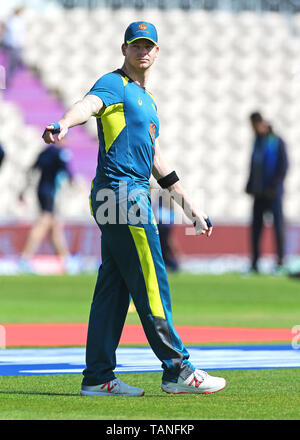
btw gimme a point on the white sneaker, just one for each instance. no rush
(113, 388)
(199, 382)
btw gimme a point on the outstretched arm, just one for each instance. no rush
(161, 169)
(78, 114)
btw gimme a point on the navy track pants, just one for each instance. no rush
(132, 266)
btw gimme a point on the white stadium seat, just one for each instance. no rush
(213, 70)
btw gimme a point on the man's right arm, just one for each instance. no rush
(78, 114)
(161, 169)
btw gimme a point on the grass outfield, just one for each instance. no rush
(206, 300)
(227, 300)
(250, 394)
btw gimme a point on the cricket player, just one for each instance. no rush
(50, 163)
(132, 263)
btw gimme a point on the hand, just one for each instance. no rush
(48, 134)
(203, 225)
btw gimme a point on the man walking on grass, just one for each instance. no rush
(132, 263)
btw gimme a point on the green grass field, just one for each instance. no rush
(220, 300)
(250, 394)
(223, 300)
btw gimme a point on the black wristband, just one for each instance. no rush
(168, 180)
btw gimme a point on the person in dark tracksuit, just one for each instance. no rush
(268, 168)
(2, 155)
(132, 264)
(51, 162)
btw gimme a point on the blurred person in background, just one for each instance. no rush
(52, 164)
(2, 155)
(12, 40)
(132, 263)
(268, 168)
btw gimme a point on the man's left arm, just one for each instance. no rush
(283, 160)
(282, 166)
(279, 172)
(168, 179)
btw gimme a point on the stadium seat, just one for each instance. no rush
(213, 70)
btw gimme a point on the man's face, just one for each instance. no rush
(140, 54)
(260, 128)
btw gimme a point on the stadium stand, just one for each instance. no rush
(215, 67)
(22, 145)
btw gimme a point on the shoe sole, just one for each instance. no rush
(192, 391)
(96, 394)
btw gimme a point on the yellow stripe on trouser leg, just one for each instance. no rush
(148, 268)
(90, 199)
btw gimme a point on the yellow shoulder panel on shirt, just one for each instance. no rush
(125, 80)
(113, 122)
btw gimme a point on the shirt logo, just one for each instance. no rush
(140, 101)
(152, 131)
(142, 26)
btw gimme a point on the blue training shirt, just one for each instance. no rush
(127, 130)
(51, 161)
(269, 164)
